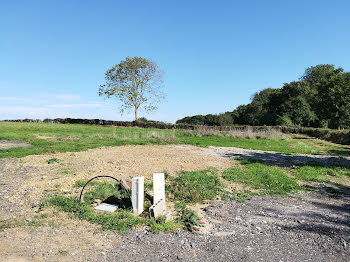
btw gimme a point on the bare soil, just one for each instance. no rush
(24, 182)
(5, 144)
(301, 227)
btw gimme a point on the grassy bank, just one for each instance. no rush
(71, 138)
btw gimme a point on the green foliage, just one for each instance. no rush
(186, 216)
(320, 99)
(270, 180)
(225, 119)
(195, 186)
(136, 82)
(334, 94)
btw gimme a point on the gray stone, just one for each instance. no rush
(108, 208)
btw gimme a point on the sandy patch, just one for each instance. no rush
(5, 144)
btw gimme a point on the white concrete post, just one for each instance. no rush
(158, 187)
(137, 194)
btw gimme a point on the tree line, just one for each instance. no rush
(320, 98)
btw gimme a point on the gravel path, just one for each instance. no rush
(303, 227)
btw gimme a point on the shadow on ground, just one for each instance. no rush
(329, 218)
(283, 160)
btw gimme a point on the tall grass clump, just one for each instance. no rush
(269, 180)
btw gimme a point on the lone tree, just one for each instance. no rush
(136, 82)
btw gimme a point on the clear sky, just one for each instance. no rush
(215, 54)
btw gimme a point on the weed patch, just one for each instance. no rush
(187, 217)
(195, 186)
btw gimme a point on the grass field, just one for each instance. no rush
(71, 138)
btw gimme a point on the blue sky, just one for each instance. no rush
(215, 54)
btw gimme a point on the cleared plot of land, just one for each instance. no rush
(304, 226)
(26, 180)
(49, 138)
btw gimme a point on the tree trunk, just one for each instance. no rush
(135, 114)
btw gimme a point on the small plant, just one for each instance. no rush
(195, 186)
(53, 160)
(161, 225)
(187, 217)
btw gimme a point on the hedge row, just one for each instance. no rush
(142, 124)
(336, 136)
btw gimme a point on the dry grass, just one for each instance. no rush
(249, 133)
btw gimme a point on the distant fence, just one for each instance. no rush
(336, 136)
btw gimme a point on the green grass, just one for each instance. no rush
(320, 173)
(120, 220)
(195, 186)
(105, 190)
(267, 179)
(74, 138)
(161, 225)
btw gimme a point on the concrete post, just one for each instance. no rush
(158, 187)
(137, 194)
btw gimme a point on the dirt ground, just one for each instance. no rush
(23, 183)
(302, 227)
(4, 144)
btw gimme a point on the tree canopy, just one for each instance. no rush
(320, 98)
(136, 82)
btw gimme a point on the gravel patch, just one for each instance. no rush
(303, 227)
